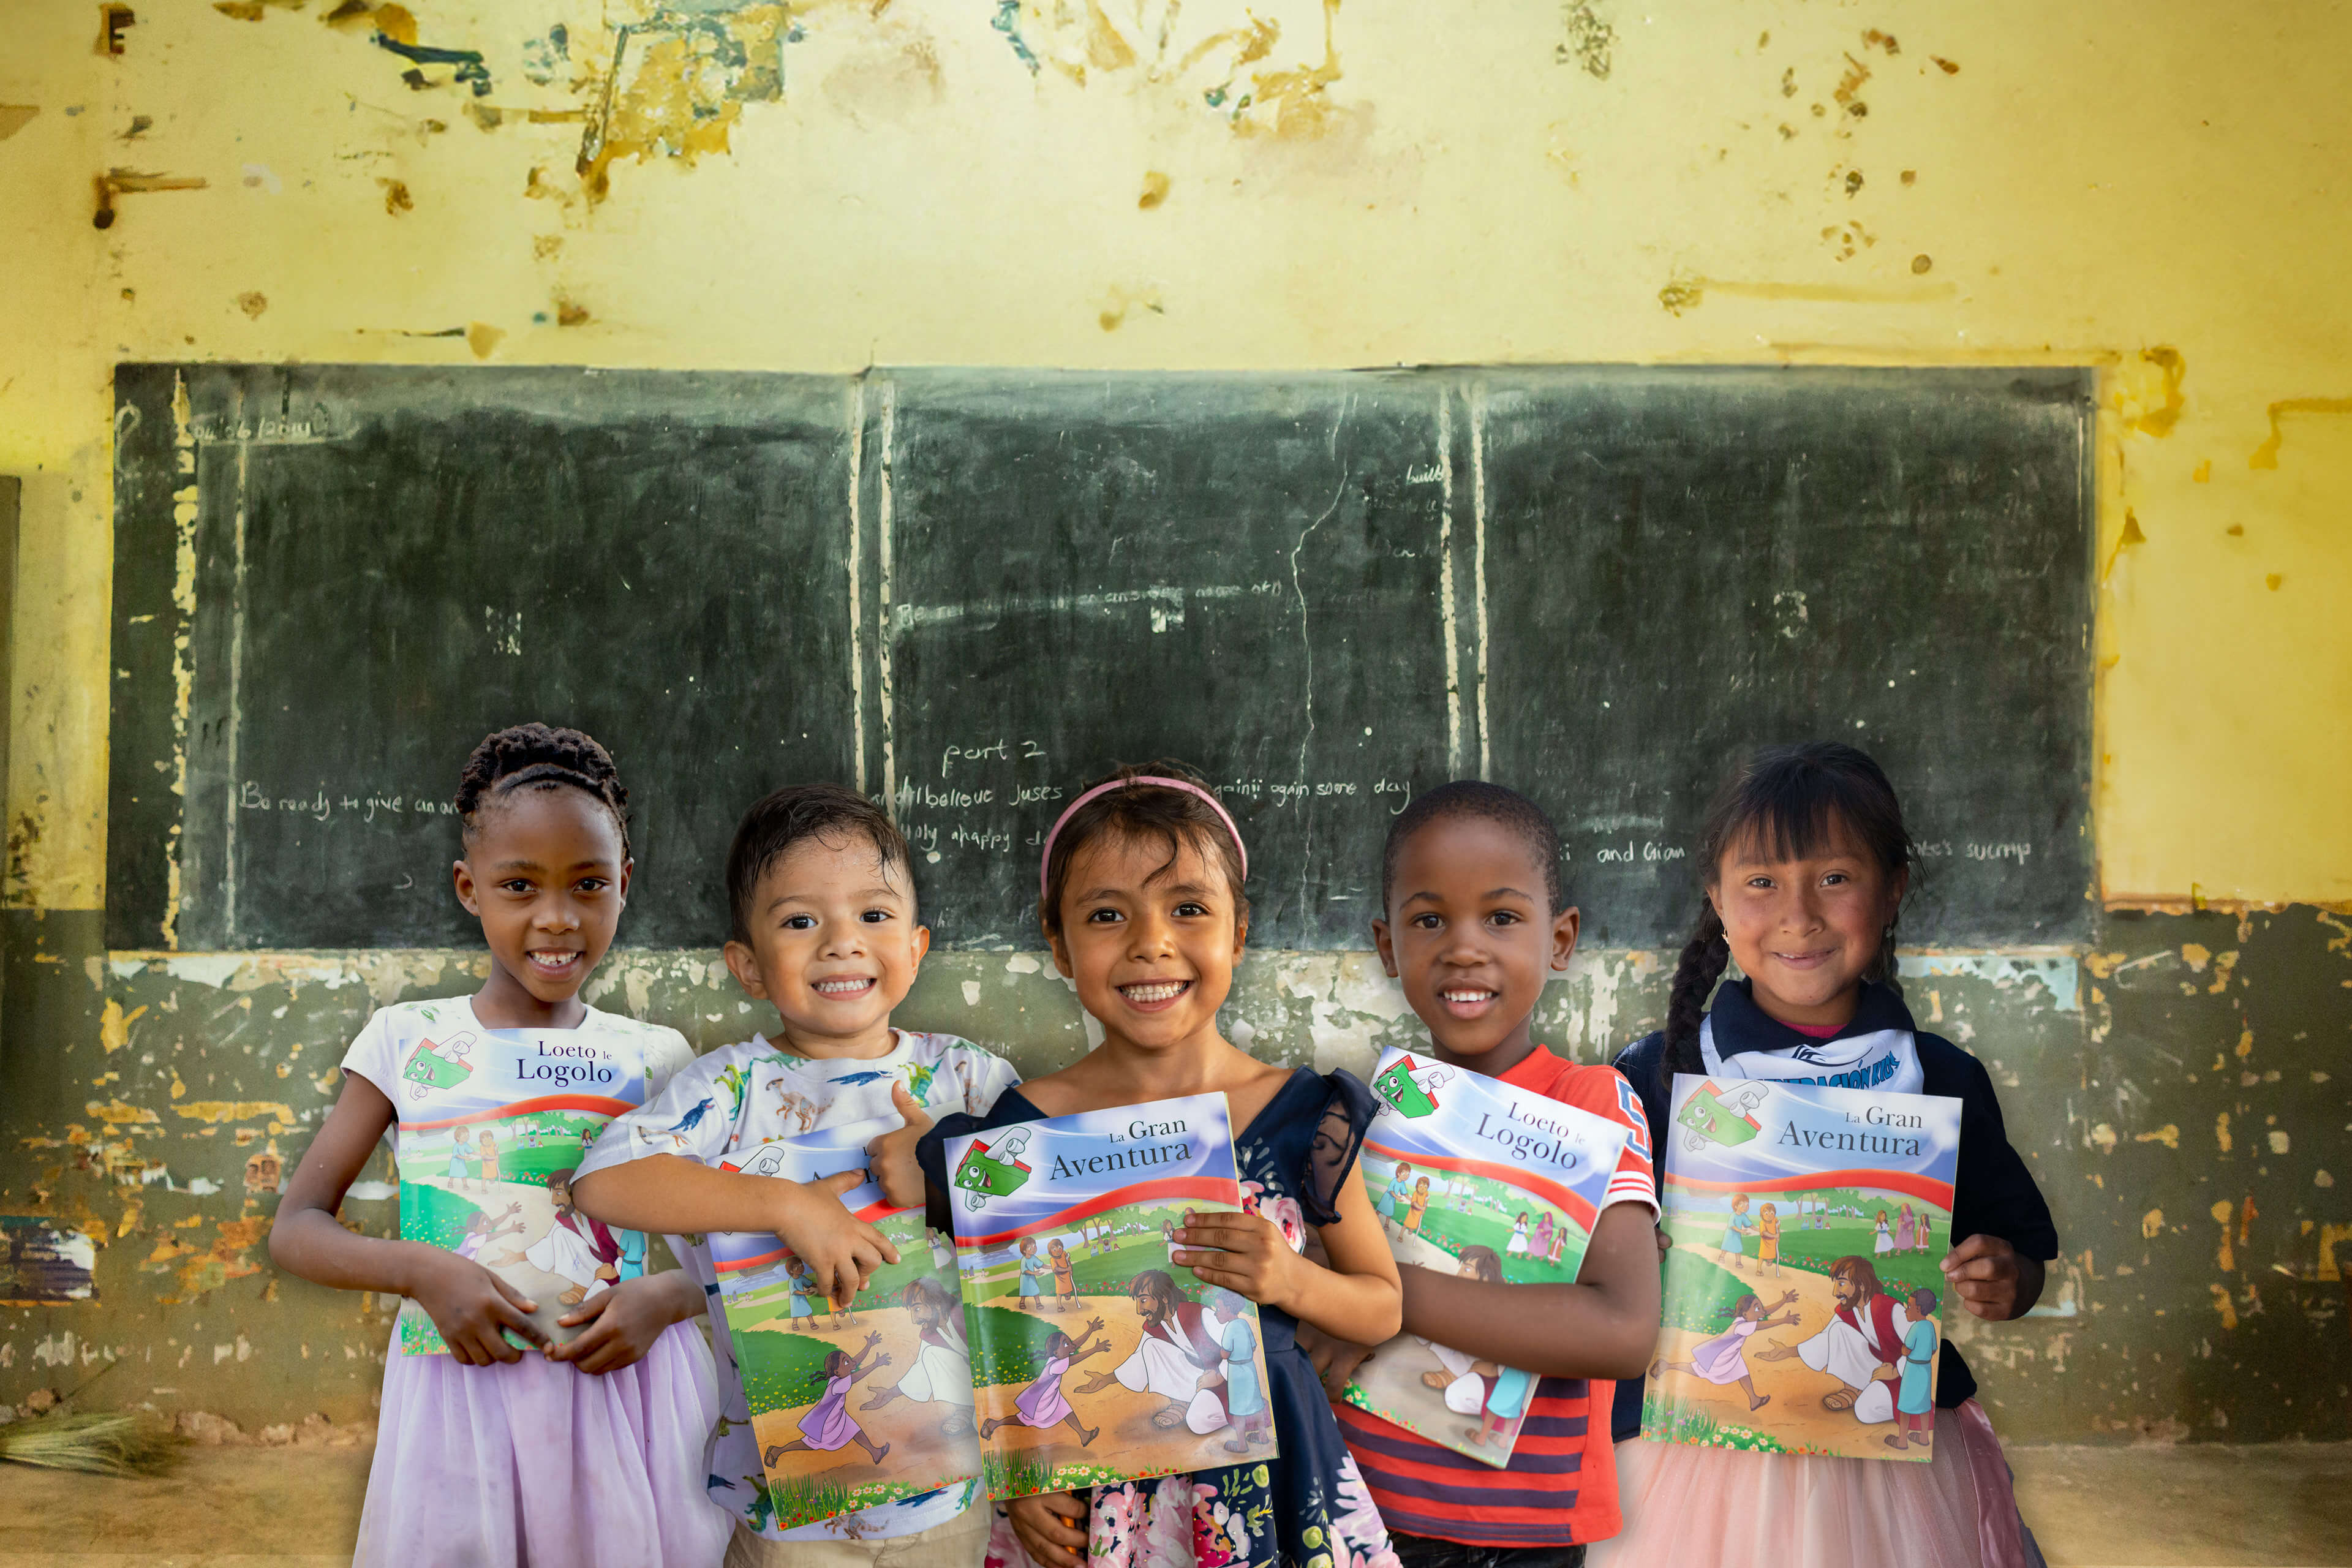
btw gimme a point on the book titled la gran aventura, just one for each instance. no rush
(1096, 1358)
(852, 1406)
(1473, 1177)
(1804, 1293)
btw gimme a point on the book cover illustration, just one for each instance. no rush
(492, 1123)
(1803, 1296)
(1470, 1176)
(1097, 1359)
(857, 1406)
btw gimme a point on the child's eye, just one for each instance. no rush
(1505, 917)
(593, 884)
(514, 885)
(799, 922)
(1426, 923)
(875, 917)
(1834, 877)
(1191, 908)
(1102, 916)
(1762, 884)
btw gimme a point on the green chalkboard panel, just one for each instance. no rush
(1241, 572)
(1694, 563)
(373, 567)
(967, 591)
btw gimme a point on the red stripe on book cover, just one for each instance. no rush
(597, 1103)
(869, 1214)
(1922, 1187)
(1225, 1189)
(1578, 1209)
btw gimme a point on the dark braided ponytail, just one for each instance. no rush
(541, 756)
(1791, 801)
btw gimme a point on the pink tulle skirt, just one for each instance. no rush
(533, 1464)
(1686, 1504)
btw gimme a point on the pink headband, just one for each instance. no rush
(1045, 864)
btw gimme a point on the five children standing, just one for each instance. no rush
(513, 1448)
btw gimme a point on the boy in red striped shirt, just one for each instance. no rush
(1475, 918)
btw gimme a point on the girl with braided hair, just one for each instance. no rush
(527, 1415)
(1804, 862)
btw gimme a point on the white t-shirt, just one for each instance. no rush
(742, 1095)
(485, 1119)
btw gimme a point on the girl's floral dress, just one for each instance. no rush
(1308, 1508)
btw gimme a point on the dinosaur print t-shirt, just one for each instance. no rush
(719, 1111)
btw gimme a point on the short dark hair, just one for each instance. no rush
(1173, 816)
(827, 812)
(1476, 798)
(541, 757)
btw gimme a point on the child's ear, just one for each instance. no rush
(628, 870)
(922, 946)
(744, 965)
(1386, 946)
(461, 875)
(1564, 928)
(1060, 951)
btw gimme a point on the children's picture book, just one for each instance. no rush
(1473, 1177)
(1803, 1292)
(1096, 1358)
(491, 1124)
(858, 1405)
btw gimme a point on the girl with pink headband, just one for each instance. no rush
(1141, 897)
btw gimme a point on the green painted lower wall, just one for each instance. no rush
(2181, 1091)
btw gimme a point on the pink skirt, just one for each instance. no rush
(534, 1464)
(1686, 1504)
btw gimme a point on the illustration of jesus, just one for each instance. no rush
(1178, 1358)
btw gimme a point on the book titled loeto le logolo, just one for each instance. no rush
(1470, 1176)
(1804, 1291)
(853, 1406)
(1095, 1357)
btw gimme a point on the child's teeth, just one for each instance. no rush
(1156, 993)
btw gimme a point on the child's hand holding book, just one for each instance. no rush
(841, 1251)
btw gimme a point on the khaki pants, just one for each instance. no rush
(961, 1543)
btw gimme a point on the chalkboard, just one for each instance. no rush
(965, 592)
(374, 567)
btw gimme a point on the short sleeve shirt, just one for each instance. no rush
(485, 1123)
(1561, 1486)
(718, 1112)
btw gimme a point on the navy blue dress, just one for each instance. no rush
(1308, 1508)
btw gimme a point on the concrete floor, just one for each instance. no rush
(2194, 1507)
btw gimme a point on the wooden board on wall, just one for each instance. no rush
(967, 592)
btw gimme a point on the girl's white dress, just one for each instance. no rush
(535, 1464)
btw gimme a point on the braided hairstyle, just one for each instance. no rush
(1791, 801)
(541, 757)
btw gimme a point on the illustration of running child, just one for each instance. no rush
(1033, 1270)
(1420, 1205)
(1065, 1282)
(1252, 1418)
(1396, 1199)
(942, 1371)
(1043, 1403)
(1768, 1241)
(1739, 1225)
(830, 1426)
(1914, 1396)
(1724, 1359)
(480, 1230)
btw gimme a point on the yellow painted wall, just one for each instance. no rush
(2151, 187)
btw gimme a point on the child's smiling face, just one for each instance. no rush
(1150, 938)
(1470, 933)
(836, 944)
(1805, 929)
(545, 873)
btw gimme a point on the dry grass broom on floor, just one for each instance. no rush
(103, 1443)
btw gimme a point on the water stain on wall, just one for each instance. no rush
(678, 84)
(2266, 455)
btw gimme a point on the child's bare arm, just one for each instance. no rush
(470, 1306)
(1603, 1325)
(671, 1195)
(1355, 1298)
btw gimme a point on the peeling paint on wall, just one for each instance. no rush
(42, 1265)
(677, 85)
